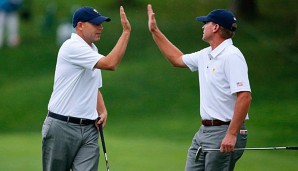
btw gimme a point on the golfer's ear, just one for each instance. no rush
(216, 27)
(80, 25)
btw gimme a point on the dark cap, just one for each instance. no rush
(222, 17)
(88, 14)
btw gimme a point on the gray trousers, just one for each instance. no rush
(211, 137)
(68, 146)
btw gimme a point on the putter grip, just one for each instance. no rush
(102, 138)
(292, 148)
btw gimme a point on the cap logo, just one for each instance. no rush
(88, 14)
(95, 11)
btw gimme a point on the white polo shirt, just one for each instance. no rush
(76, 81)
(222, 73)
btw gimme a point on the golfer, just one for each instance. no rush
(76, 107)
(224, 90)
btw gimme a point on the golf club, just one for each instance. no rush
(200, 150)
(104, 146)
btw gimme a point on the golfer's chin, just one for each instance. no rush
(97, 38)
(204, 39)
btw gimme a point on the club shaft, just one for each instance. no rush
(102, 139)
(262, 148)
(104, 146)
(200, 150)
(107, 164)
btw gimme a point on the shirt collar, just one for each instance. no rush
(214, 53)
(76, 36)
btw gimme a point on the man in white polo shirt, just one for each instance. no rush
(224, 90)
(76, 106)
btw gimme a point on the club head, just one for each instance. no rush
(198, 153)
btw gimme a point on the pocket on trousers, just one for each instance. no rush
(243, 134)
(46, 127)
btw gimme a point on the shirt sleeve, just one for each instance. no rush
(84, 56)
(237, 73)
(100, 79)
(191, 60)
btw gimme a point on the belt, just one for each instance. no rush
(214, 122)
(71, 119)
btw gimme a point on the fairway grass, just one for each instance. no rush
(22, 151)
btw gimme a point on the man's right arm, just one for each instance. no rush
(111, 61)
(171, 52)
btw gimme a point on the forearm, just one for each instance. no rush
(101, 108)
(111, 61)
(170, 51)
(118, 51)
(240, 112)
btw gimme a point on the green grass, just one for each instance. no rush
(23, 152)
(20, 152)
(153, 107)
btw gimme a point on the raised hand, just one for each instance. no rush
(151, 19)
(125, 23)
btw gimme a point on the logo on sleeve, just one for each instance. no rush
(240, 84)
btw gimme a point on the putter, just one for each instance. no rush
(200, 150)
(104, 146)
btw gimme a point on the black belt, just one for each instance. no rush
(71, 119)
(214, 122)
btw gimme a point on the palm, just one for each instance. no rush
(125, 23)
(151, 19)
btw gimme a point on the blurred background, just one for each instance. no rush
(153, 108)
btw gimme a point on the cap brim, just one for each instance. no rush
(99, 20)
(203, 19)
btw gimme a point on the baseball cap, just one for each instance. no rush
(222, 17)
(88, 14)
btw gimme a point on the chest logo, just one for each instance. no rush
(213, 70)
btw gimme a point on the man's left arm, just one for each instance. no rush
(241, 109)
(101, 110)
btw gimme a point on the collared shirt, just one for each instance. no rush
(76, 80)
(222, 73)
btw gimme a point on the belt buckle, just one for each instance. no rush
(81, 121)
